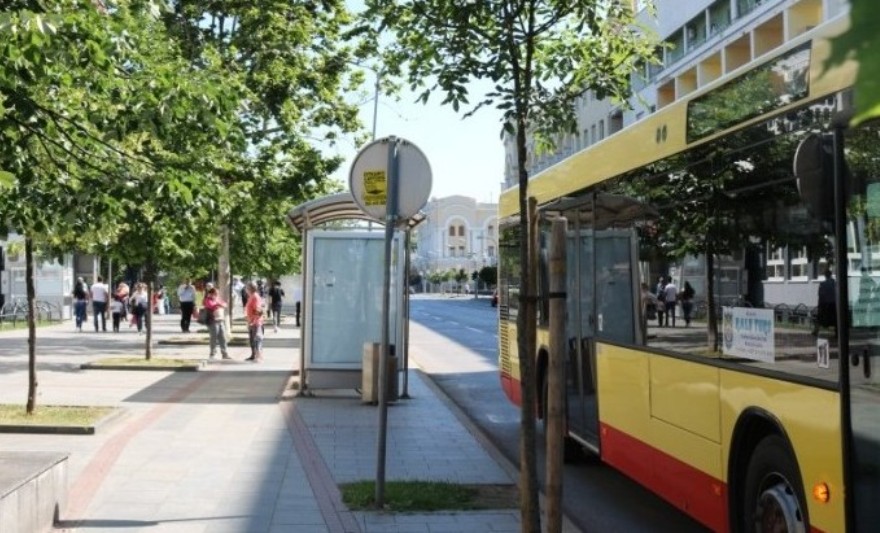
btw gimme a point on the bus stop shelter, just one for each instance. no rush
(342, 268)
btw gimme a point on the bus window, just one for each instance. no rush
(722, 220)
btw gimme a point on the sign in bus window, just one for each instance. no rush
(771, 86)
(749, 333)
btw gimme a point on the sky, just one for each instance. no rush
(466, 154)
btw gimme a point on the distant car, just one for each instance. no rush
(495, 299)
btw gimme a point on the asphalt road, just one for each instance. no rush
(454, 340)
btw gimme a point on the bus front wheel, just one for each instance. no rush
(773, 499)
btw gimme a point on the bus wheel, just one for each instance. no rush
(774, 499)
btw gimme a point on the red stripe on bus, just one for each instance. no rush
(696, 493)
(511, 388)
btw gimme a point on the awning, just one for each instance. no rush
(340, 206)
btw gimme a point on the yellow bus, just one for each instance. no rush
(756, 412)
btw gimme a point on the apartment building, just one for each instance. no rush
(706, 40)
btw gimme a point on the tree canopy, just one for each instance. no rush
(861, 43)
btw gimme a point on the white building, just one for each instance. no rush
(708, 39)
(458, 233)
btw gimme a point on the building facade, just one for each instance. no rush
(705, 41)
(458, 233)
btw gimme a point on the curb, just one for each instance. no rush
(195, 367)
(485, 441)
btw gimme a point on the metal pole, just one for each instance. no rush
(390, 223)
(375, 104)
(405, 348)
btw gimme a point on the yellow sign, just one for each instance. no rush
(375, 187)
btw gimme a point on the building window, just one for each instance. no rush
(490, 231)
(452, 231)
(775, 264)
(461, 251)
(491, 251)
(452, 251)
(799, 265)
(461, 231)
(601, 129)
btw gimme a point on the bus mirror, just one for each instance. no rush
(814, 170)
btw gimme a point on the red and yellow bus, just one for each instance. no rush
(755, 414)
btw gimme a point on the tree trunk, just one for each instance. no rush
(555, 411)
(149, 274)
(31, 324)
(526, 323)
(224, 277)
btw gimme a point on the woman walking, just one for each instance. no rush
(139, 305)
(216, 308)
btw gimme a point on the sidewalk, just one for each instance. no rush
(226, 449)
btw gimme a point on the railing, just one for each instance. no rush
(17, 310)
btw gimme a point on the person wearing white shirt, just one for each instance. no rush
(186, 295)
(671, 293)
(100, 296)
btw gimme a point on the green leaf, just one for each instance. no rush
(7, 179)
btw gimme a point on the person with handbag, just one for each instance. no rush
(216, 314)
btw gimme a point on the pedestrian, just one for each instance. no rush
(254, 313)
(826, 313)
(139, 305)
(100, 295)
(687, 302)
(276, 293)
(186, 295)
(117, 311)
(216, 309)
(122, 294)
(298, 308)
(671, 300)
(261, 290)
(649, 309)
(244, 295)
(660, 293)
(237, 290)
(80, 301)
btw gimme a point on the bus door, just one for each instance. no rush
(580, 385)
(862, 380)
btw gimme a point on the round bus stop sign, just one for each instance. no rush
(368, 178)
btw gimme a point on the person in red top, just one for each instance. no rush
(253, 311)
(216, 308)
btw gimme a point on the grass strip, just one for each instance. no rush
(429, 496)
(53, 415)
(140, 362)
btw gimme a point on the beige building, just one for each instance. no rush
(458, 233)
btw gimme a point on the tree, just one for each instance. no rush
(293, 61)
(88, 96)
(489, 275)
(861, 43)
(539, 55)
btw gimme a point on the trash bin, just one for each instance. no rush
(370, 374)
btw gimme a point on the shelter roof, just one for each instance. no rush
(339, 206)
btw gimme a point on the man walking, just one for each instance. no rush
(100, 297)
(186, 295)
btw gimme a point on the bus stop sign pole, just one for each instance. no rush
(390, 225)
